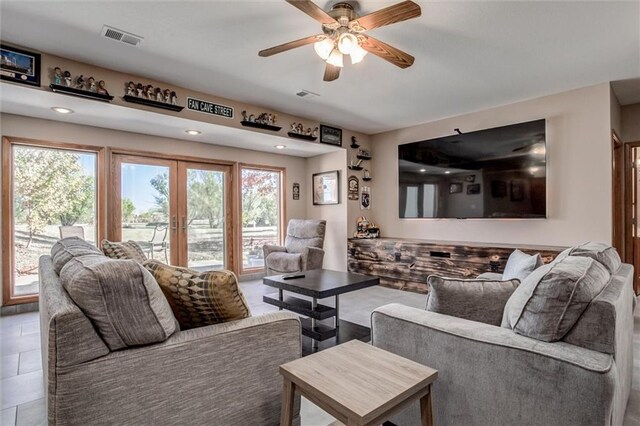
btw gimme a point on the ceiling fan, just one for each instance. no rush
(343, 34)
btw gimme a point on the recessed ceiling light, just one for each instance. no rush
(423, 170)
(193, 132)
(446, 172)
(62, 110)
(280, 146)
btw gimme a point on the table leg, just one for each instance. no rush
(286, 408)
(280, 297)
(426, 409)
(314, 306)
(336, 319)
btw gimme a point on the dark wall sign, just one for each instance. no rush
(209, 108)
(330, 135)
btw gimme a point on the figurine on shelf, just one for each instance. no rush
(300, 128)
(174, 98)
(159, 96)
(308, 131)
(131, 89)
(92, 84)
(139, 90)
(244, 115)
(80, 82)
(57, 76)
(354, 162)
(270, 119)
(67, 78)
(315, 132)
(294, 127)
(102, 89)
(149, 91)
(167, 96)
(275, 119)
(252, 118)
(367, 175)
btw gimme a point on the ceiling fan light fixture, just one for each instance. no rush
(335, 58)
(347, 43)
(324, 48)
(357, 55)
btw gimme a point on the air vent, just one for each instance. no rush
(122, 36)
(306, 94)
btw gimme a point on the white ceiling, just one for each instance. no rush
(22, 100)
(469, 55)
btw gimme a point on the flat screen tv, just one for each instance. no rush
(495, 173)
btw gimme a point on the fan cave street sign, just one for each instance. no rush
(209, 108)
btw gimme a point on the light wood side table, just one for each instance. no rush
(358, 384)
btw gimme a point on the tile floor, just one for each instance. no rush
(22, 393)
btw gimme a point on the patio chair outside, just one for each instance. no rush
(158, 242)
(71, 231)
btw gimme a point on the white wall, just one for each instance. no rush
(335, 243)
(630, 117)
(579, 173)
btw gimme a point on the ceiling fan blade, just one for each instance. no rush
(388, 53)
(331, 72)
(389, 15)
(291, 45)
(311, 9)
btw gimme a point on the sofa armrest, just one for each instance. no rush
(491, 276)
(224, 374)
(267, 249)
(490, 375)
(312, 258)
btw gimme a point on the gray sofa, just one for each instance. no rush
(489, 375)
(302, 250)
(224, 374)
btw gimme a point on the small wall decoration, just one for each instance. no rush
(498, 188)
(354, 143)
(473, 189)
(470, 178)
(151, 96)
(517, 190)
(330, 135)
(298, 131)
(364, 154)
(62, 82)
(209, 108)
(354, 188)
(365, 198)
(264, 120)
(455, 188)
(296, 191)
(366, 228)
(19, 66)
(326, 188)
(355, 163)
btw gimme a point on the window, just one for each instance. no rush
(261, 213)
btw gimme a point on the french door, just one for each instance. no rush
(178, 211)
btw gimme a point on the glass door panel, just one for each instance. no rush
(144, 205)
(54, 195)
(204, 211)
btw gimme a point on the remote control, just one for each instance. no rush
(292, 276)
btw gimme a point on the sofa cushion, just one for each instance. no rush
(123, 250)
(600, 252)
(285, 262)
(302, 233)
(476, 300)
(68, 248)
(121, 298)
(520, 265)
(549, 302)
(200, 298)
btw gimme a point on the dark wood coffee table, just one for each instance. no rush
(320, 284)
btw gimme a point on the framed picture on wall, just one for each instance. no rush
(20, 66)
(330, 135)
(326, 188)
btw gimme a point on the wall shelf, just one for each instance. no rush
(260, 125)
(149, 102)
(356, 167)
(366, 179)
(72, 91)
(363, 157)
(303, 137)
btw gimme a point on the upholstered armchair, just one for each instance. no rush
(302, 248)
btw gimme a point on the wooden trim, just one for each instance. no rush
(8, 260)
(630, 173)
(282, 211)
(160, 156)
(617, 193)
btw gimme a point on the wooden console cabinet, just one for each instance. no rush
(405, 264)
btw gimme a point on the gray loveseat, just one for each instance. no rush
(224, 374)
(489, 375)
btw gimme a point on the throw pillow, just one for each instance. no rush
(200, 298)
(120, 298)
(124, 250)
(600, 252)
(550, 301)
(520, 265)
(68, 248)
(475, 300)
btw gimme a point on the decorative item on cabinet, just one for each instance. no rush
(263, 121)
(366, 228)
(62, 83)
(150, 96)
